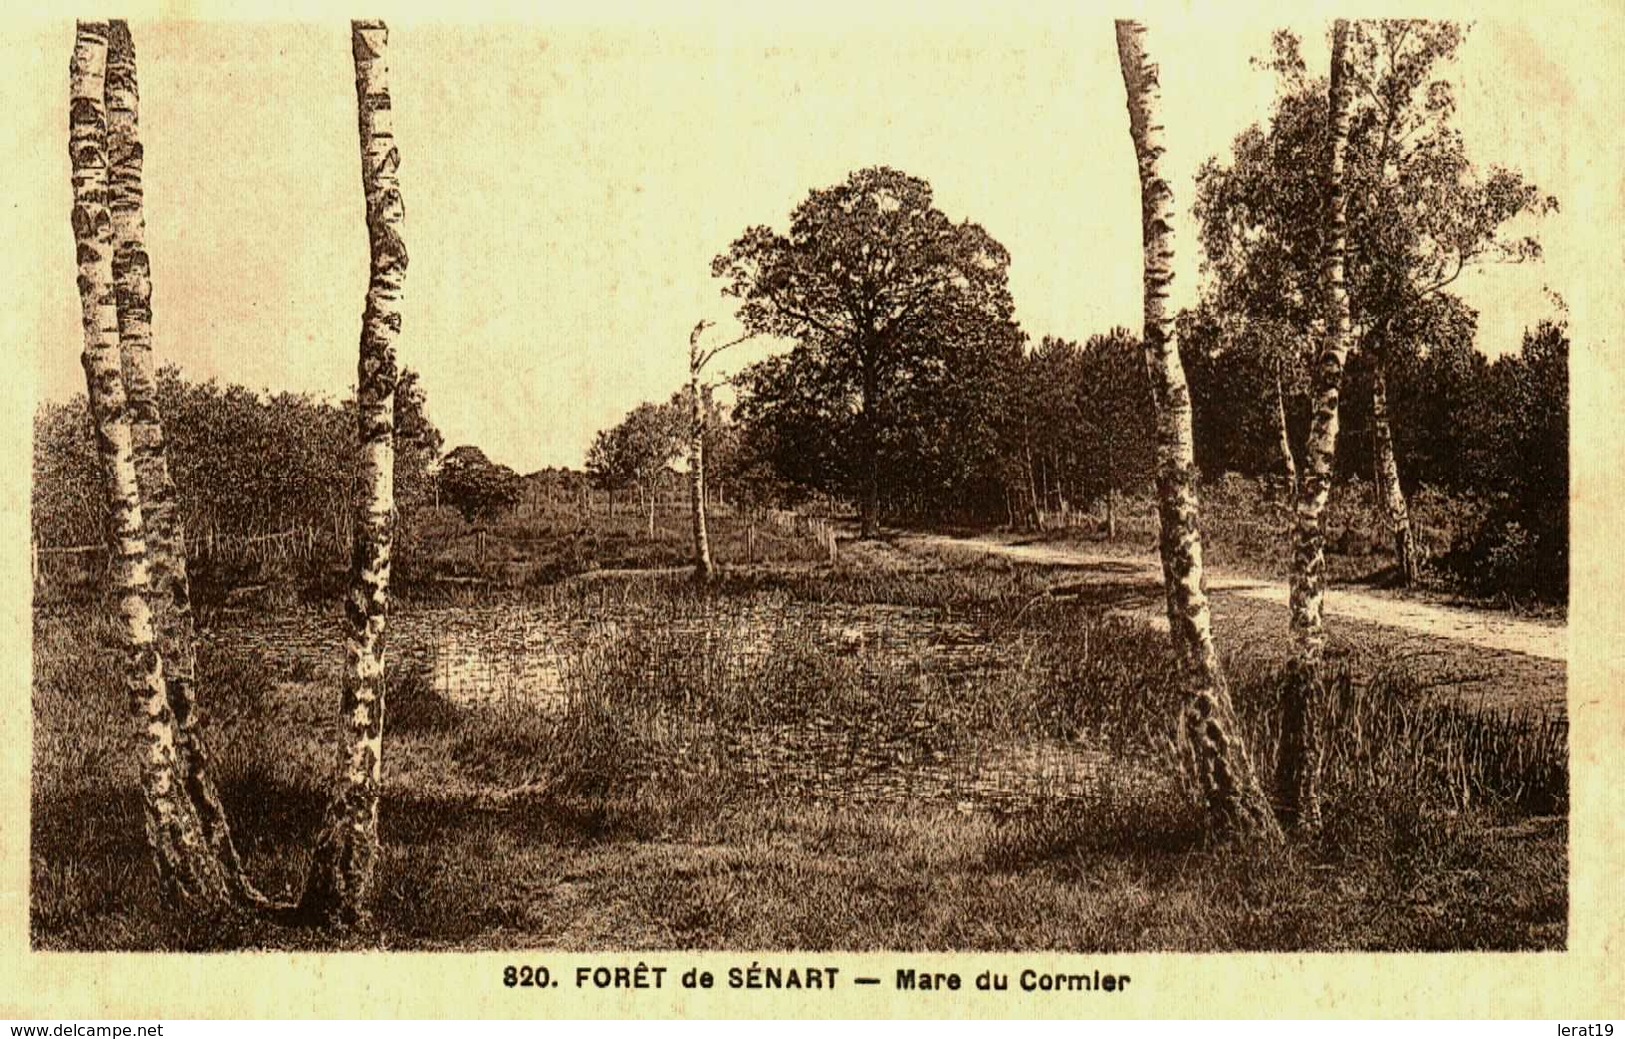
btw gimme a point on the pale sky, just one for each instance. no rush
(567, 186)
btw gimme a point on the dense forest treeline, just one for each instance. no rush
(1060, 432)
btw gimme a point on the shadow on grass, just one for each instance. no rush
(441, 877)
(1073, 837)
(1109, 595)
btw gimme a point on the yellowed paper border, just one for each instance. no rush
(1586, 981)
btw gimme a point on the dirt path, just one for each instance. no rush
(1482, 628)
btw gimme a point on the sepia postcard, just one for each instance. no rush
(852, 510)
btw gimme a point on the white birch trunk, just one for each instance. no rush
(346, 852)
(1298, 770)
(1209, 733)
(171, 596)
(1289, 462)
(188, 872)
(1395, 511)
(696, 473)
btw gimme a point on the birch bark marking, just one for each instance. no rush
(171, 597)
(187, 871)
(346, 852)
(1298, 772)
(1209, 733)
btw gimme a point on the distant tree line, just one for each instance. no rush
(642, 454)
(245, 464)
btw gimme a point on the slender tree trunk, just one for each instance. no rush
(1034, 517)
(171, 596)
(188, 871)
(869, 510)
(346, 852)
(1289, 463)
(870, 515)
(651, 497)
(1393, 495)
(1298, 771)
(1044, 484)
(696, 474)
(1209, 732)
(1111, 493)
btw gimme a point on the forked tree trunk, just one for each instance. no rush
(1298, 770)
(188, 872)
(346, 852)
(171, 596)
(1210, 736)
(1393, 495)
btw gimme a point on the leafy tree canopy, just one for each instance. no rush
(475, 486)
(901, 320)
(640, 447)
(1420, 211)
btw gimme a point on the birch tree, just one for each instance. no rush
(703, 567)
(1299, 766)
(698, 401)
(188, 870)
(1420, 214)
(346, 851)
(171, 596)
(1209, 733)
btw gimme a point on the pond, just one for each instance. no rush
(848, 749)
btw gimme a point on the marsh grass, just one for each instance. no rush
(1386, 741)
(725, 772)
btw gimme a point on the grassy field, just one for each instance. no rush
(896, 752)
